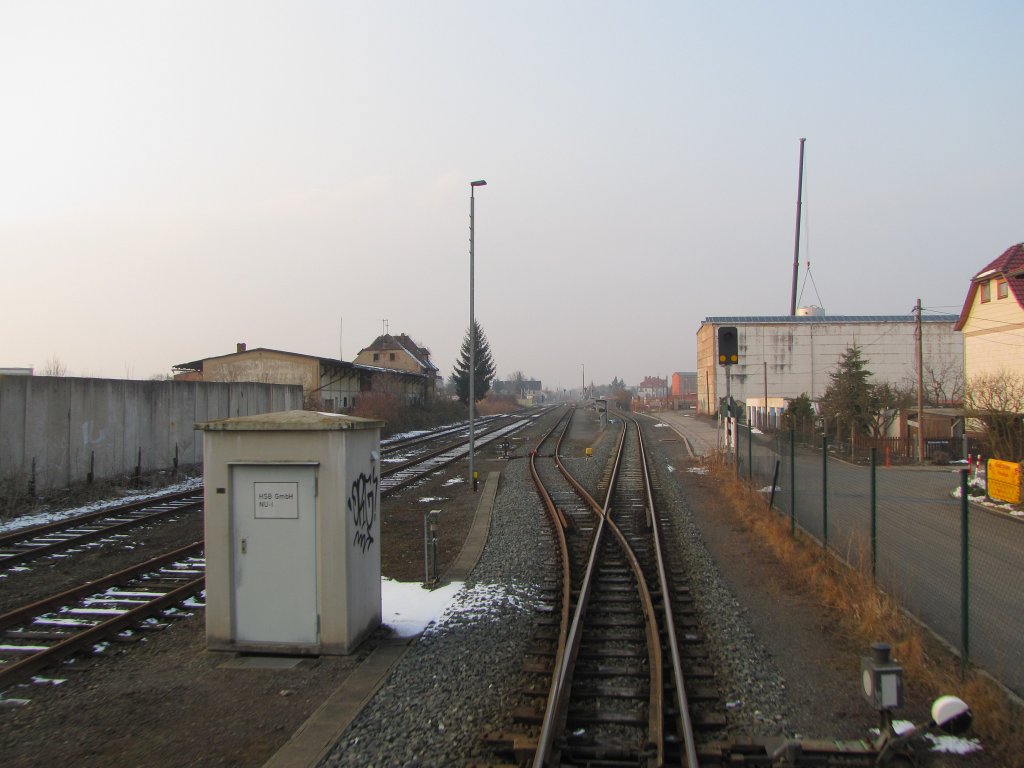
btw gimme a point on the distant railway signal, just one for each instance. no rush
(728, 345)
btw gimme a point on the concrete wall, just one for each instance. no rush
(67, 425)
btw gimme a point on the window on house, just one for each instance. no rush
(376, 355)
(1002, 288)
(986, 291)
(391, 356)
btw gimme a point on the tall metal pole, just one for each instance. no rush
(920, 387)
(472, 331)
(796, 244)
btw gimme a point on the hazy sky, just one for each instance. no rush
(177, 177)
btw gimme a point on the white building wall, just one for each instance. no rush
(992, 336)
(801, 353)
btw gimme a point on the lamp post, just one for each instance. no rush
(472, 332)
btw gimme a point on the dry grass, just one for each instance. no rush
(870, 616)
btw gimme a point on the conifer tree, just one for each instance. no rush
(849, 400)
(484, 364)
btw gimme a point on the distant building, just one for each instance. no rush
(785, 356)
(16, 371)
(684, 389)
(525, 389)
(327, 384)
(652, 388)
(993, 315)
(397, 353)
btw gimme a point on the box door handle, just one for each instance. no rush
(244, 546)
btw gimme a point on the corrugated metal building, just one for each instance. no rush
(784, 356)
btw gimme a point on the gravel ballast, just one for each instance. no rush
(461, 679)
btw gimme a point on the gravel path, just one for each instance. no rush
(461, 679)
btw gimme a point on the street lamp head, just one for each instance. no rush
(480, 183)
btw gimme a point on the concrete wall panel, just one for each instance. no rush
(12, 425)
(71, 425)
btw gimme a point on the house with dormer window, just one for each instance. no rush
(992, 319)
(400, 353)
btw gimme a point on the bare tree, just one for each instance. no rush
(995, 401)
(942, 382)
(54, 366)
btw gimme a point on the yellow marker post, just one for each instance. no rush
(590, 452)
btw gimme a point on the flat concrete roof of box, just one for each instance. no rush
(289, 421)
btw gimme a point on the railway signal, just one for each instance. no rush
(728, 345)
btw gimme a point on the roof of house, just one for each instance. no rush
(389, 343)
(197, 365)
(652, 382)
(1010, 265)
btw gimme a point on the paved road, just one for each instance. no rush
(918, 534)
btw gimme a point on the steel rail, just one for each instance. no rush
(568, 643)
(396, 468)
(558, 523)
(655, 710)
(558, 701)
(684, 721)
(18, 534)
(453, 454)
(18, 671)
(24, 537)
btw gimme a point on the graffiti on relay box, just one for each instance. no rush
(362, 505)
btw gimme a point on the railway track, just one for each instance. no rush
(401, 475)
(24, 544)
(611, 675)
(118, 607)
(411, 460)
(47, 631)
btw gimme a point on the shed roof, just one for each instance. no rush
(197, 365)
(289, 421)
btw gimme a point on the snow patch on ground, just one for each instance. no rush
(52, 516)
(409, 608)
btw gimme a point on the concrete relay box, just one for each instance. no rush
(292, 526)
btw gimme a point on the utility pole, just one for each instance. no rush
(920, 386)
(796, 243)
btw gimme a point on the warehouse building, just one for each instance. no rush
(782, 357)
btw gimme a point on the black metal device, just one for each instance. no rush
(728, 345)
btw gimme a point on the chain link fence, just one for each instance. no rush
(957, 567)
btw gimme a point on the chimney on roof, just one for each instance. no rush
(240, 347)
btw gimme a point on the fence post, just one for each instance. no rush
(824, 491)
(775, 483)
(792, 482)
(874, 515)
(965, 613)
(750, 454)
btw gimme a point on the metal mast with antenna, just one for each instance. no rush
(796, 244)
